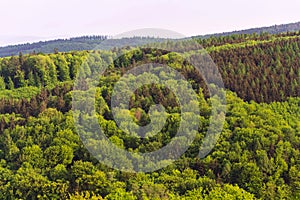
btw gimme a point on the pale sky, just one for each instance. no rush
(34, 20)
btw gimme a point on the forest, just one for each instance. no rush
(257, 155)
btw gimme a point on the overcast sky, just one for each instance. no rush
(33, 20)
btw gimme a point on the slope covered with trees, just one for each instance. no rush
(257, 155)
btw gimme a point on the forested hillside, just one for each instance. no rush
(256, 157)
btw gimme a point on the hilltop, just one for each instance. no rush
(92, 42)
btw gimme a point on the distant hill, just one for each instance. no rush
(74, 44)
(91, 42)
(283, 28)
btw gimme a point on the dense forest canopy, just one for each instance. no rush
(257, 155)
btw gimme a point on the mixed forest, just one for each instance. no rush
(256, 157)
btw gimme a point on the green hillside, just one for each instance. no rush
(256, 157)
